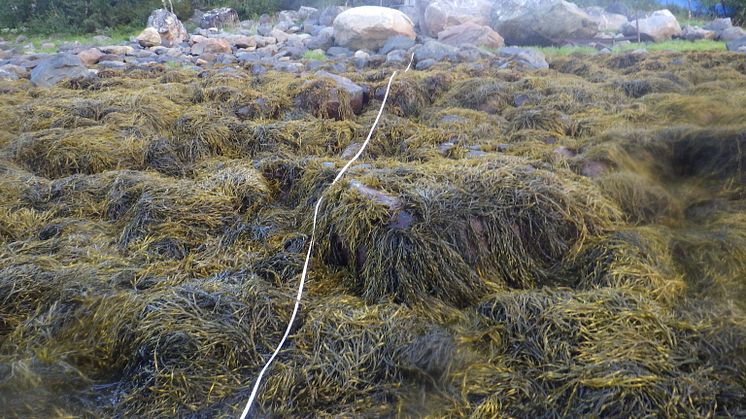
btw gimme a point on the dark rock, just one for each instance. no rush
(327, 16)
(436, 51)
(258, 69)
(731, 34)
(737, 45)
(323, 40)
(425, 64)
(57, 68)
(397, 42)
(170, 29)
(397, 57)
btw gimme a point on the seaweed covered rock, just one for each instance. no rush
(368, 27)
(448, 245)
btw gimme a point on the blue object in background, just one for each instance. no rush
(698, 8)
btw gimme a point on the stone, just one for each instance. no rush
(693, 33)
(279, 35)
(241, 41)
(425, 64)
(149, 38)
(659, 26)
(57, 68)
(529, 58)
(220, 18)
(323, 40)
(471, 34)
(736, 45)
(719, 25)
(338, 52)
(117, 49)
(607, 22)
(368, 27)
(19, 71)
(169, 27)
(263, 41)
(327, 16)
(397, 42)
(112, 65)
(434, 50)
(211, 46)
(541, 22)
(731, 34)
(8, 75)
(397, 57)
(90, 56)
(353, 93)
(437, 15)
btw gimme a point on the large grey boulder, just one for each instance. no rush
(437, 15)
(719, 25)
(731, 34)
(149, 38)
(530, 59)
(323, 40)
(327, 16)
(435, 51)
(223, 17)
(693, 33)
(541, 22)
(607, 22)
(659, 26)
(368, 27)
(737, 45)
(57, 68)
(471, 34)
(169, 27)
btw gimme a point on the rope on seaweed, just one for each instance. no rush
(304, 274)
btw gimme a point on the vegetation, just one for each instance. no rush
(675, 45)
(566, 242)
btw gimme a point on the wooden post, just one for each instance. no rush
(637, 24)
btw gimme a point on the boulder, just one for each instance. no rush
(368, 27)
(530, 59)
(90, 56)
(607, 22)
(57, 68)
(731, 34)
(241, 41)
(436, 51)
(437, 15)
(19, 71)
(279, 35)
(169, 27)
(471, 34)
(693, 33)
(397, 42)
(323, 40)
(117, 49)
(219, 18)
(661, 25)
(211, 46)
(354, 93)
(327, 16)
(8, 75)
(618, 8)
(149, 38)
(737, 45)
(541, 22)
(719, 25)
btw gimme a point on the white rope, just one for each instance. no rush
(304, 274)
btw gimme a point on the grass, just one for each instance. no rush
(118, 35)
(314, 55)
(675, 45)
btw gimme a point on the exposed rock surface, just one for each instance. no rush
(221, 18)
(169, 27)
(90, 56)
(471, 34)
(368, 27)
(541, 22)
(607, 22)
(661, 25)
(149, 38)
(59, 67)
(437, 15)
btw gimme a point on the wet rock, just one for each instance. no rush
(90, 56)
(211, 46)
(220, 18)
(541, 22)
(354, 93)
(169, 27)
(471, 34)
(436, 16)
(350, 151)
(368, 27)
(57, 68)
(149, 38)
(661, 25)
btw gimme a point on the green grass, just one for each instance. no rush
(118, 35)
(677, 45)
(314, 55)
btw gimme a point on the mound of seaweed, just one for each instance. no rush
(568, 242)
